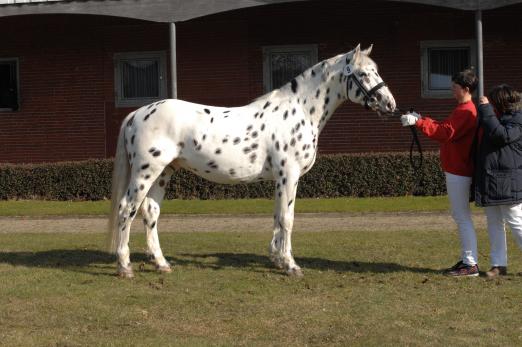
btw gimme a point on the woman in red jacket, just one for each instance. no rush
(455, 135)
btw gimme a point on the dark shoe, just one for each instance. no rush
(462, 270)
(496, 271)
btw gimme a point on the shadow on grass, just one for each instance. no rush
(247, 260)
(77, 259)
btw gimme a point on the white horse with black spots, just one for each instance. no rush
(273, 138)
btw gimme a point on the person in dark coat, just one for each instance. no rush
(498, 170)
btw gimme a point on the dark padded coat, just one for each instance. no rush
(498, 164)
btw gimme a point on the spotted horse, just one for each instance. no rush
(273, 138)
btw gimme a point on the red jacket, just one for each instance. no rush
(455, 135)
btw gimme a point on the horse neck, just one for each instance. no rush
(322, 92)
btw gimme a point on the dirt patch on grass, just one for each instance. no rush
(236, 223)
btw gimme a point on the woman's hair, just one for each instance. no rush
(466, 78)
(504, 98)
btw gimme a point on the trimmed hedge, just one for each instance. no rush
(356, 175)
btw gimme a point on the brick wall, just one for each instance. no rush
(67, 74)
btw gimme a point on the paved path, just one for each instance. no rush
(206, 223)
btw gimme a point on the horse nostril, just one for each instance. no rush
(389, 106)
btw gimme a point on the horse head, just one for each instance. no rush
(364, 85)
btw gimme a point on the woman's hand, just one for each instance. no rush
(483, 100)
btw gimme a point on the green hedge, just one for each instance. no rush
(360, 175)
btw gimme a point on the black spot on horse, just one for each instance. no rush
(156, 154)
(312, 110)
(263, 127)
(292, 142)
(317, 93)
(132, 139)
(293, 111)
(246, 150)
(284, 180)
(218, 151)
(253, 157)
(232, 172)
(256, 114)
(181, 144)
(266, 105)
(277, 145)
(275, 109)
(145, 166)
(225, 140)
(294, 86)
(142, 187)
(207, 111)
(249, 127)
(131, 120)
(237, 140)
(254, 146)
(285, 115)
(146, 117)
(313, 73)
(153, 225)
(254, 134)
(283, 162)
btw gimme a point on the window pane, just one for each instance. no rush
(140, 78)
(444, 63)
(8, 85)
(287, 65)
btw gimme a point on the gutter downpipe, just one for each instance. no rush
(480, 56)
(173, 62)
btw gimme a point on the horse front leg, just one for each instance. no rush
(281, 244)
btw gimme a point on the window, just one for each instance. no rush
(140, 78)
(9, 85)
(282, 63)
(440, 61)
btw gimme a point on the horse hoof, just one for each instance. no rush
(124, 272)
(295, 272)
(164, 269)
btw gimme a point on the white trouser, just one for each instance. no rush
(497, 216)
(458, 193)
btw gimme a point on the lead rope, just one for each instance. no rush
(416, 165)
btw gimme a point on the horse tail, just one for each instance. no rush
(120, 181)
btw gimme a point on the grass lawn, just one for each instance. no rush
(363, 288)
(245, 206)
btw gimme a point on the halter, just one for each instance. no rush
(368, 94)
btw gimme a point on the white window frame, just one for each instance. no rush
(441, 44)
(269, 50)
(137, 102)
(17, 61)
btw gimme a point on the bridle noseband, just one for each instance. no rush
(368, 94)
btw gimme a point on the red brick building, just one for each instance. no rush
(69, 75)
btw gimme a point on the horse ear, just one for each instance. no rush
(368, 50)
(356, 53)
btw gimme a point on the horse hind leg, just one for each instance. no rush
(140, 183)
(150, 210)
